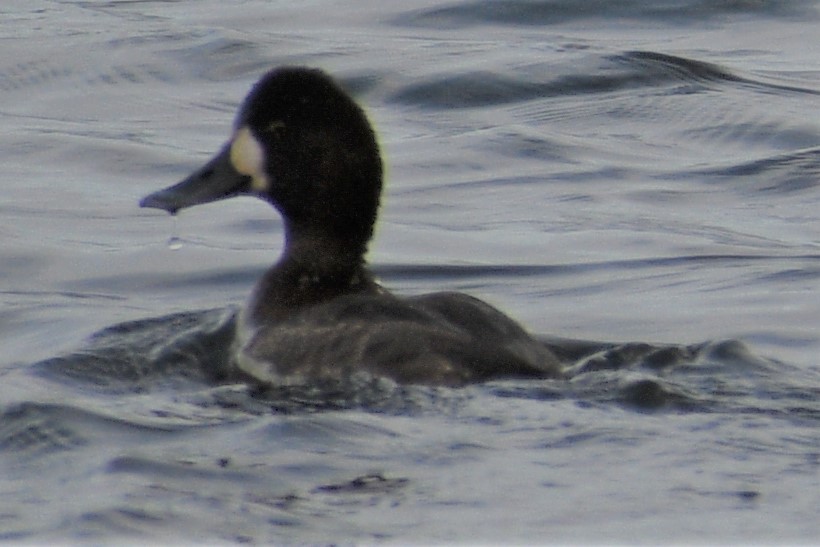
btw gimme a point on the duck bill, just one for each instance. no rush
(218, 179)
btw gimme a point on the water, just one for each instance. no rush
(641, 176)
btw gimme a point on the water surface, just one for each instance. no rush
(644, 177)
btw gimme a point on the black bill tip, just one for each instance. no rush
(216, 180)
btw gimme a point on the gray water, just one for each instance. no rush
(643, 177)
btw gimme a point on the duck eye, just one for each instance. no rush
(275, 127)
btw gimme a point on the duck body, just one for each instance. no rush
(447, 338)
(302, 144)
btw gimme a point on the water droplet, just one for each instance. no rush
(174, 242)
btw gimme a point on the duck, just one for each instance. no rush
(302, 144)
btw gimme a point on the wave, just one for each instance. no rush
(629, 70)
(555, 12)
(778, 174)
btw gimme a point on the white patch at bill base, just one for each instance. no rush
(248, 158)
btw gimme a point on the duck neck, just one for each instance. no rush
(313, 269)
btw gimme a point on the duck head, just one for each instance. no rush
(302, 144)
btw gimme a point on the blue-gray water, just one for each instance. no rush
(624, 172)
